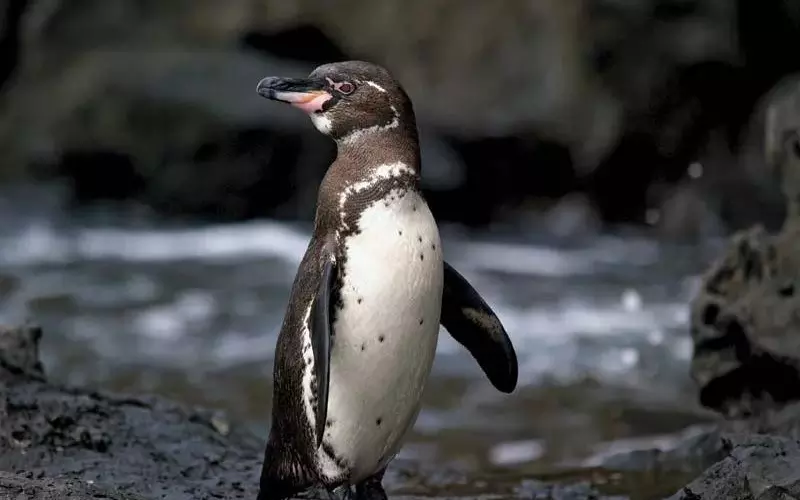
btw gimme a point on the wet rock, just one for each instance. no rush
(744, 320)
(757, 468)
(694, 449)
(537, 490)
(59, 441)
(747, 458)
(27, 487)
(19, 353)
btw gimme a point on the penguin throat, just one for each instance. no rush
(358, 134)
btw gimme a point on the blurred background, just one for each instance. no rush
(585, 158)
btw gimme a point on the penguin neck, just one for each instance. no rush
(373, 148)
(363, 164)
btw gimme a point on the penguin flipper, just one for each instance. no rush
(321, 330)
(469, 320)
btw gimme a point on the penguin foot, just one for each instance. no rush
(371, 488)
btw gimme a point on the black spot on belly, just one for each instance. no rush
(380, 338)
(414, 208)
(328, 449)
(433, 246)
(328, 423)
(378, 421)
(359, 300)
(363, 347)
(400, 233)
(421, 257)
(421, 320)
(419, 238)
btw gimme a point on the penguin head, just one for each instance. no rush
(345, 100)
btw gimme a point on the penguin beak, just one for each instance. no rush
(303, 93)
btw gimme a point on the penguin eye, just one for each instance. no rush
(344, 87)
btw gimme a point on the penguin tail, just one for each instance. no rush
(281, 476)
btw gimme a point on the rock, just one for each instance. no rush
(691, 450)
(748, 458)
(758, 468)
(66, 442)
(19, 353)
(744, 320)
(58, 440)
(26, 487)
(537, 490)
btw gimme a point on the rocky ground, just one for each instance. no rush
(606, 103)
(68, 442)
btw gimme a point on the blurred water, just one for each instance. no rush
(192, 312)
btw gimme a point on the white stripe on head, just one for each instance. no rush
(375, 85)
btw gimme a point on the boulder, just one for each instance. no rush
(757, 468)
(744, 318)
(56, 440)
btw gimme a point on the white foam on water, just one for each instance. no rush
(41, 243)
(547, 336)
(527, 259)
(516, 452)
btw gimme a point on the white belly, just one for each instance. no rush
(385, 336)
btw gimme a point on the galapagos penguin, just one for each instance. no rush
(359, 335)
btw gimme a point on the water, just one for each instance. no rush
(192, 312)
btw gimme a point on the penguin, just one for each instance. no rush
(360, 331)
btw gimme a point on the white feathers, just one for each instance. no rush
(322, 122)
(387, 330)
(375, 85)
(359, 133)
(308, 368)
(379, 174)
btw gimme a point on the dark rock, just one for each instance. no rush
(744, 320)
(26, 487)
(19, 353)
(90, 443)
(758, 468)
(537, 490)
(694, 449)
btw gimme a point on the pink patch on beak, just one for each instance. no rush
(307, 101)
